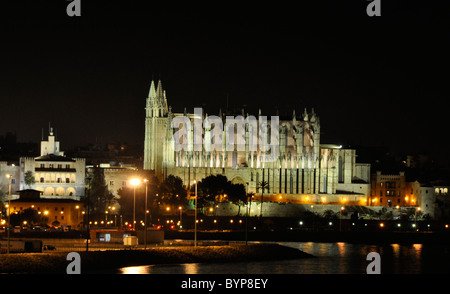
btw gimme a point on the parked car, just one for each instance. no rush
(49, 247)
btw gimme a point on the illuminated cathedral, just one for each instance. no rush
(303, 170)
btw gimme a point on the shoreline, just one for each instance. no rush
(323, 236)
(363, 237)
(214, 247)
(56, 263)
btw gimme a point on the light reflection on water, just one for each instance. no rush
(330, 258)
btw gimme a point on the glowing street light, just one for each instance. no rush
(195, 214)
(181, 215)
(340, 218)
(145, 214)
(9, 210)
(415, 215)
(134, 182)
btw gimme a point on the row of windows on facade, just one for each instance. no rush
(59, 194)
(390, 193)
(388, 185)
(124, 183)
(51, 165)
(50, 191)
(441, 191)
(287, 184)
(58, 180)
(393, 192)
(437, 191)
(39, 208)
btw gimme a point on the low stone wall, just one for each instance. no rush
(271, 209)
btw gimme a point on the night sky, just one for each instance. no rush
(372, 80)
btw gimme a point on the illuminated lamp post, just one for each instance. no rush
(195, 216)
(134, 182)
(340, 218)
(415, 216)
(181, 216)
(145, 214)
(9, 211)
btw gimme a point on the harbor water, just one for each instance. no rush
(329, 258)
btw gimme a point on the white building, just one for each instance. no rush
(54, 174)
(434, 200)
(116, 177)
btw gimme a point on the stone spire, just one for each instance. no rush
(159, 92)
(305, 115)
(156, 101)
(161, 100)
(152, 92)
(151, 99)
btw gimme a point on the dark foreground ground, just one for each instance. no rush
(98, 260)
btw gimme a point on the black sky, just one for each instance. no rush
(372, 80)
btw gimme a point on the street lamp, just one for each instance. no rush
(195, 214)
(9, 210)
(181, 215)
(134, 182)
(77, 208)
(415, 216)
(145, 214)
(88, 223)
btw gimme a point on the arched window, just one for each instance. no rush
(71, 192)
(49, 191)
(60, 191)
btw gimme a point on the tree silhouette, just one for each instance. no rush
(216, 188)
(211, 189)
(99, 196)
(29, 178)
(30, 215)
(237, 195)
(262, 185)
(172, 192)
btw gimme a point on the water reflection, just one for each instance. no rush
(330, 258)
(134, 270)
(191, 268)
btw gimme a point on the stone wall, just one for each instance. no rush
(295, 210)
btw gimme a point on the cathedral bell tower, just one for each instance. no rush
(156, 120)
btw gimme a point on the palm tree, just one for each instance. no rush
(249, 200)
(263, 185)
(29, 178)
(237, 195)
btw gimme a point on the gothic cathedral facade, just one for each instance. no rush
(304, 170)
